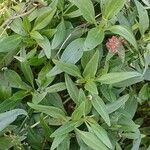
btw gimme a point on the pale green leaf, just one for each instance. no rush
(143, 17)
(72, 89)
(91, 67)
(9, 43)
(101, 108)
(8, 117)
(65, 128)
(86, 8)
(112, 7)
(49, 110)
(56, 87)
(111, 107)
(124, 32)
(116, 77)
(78, 112)
(44, 19)
(45, 44)
(68, 68)
(94, 38)
(91, 87)
(91, 140)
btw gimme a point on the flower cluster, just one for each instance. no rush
(113, 44)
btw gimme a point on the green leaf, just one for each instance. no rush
(14, 79)
(73, 14)
(8, 117)
(45, 126)
(66, 128)
(144, 93)
(38, 97)
(108, 93)
(13, 101)
(87, 55)
(112, 7)
(26, 69)
(101, 133)
(55, 100)
(56, 87)
(57, 140)
(124, 32)
(72, 89)
(10, 43)
(111, 107)
(131, 106)
(101, 108)
(49, 110)
(68, 68)
(91, 140)
(94, 38)
(42, 78)
(82, 98)
(91, 68)
(143, 17)
(59, 35)
(65, 144)
(5, 92)
(45, 44)
(86, 8)
(91, 87)
(116, 77)
(44, 19)
(26, 24)
(17, 27)
(36, 35)
(79, 112)
(71, 54)
(129, 82)
(73, 51)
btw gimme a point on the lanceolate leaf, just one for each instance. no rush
(13, 101)
(45, 44)
(111, 107)
(79, 112)
(91, 87)
(100, 132)
(101, 108)
(49, 110)
(26, 69)
(68, 68)
(43, 20)
(60, 35)
(71, 54)
(116, 77)
(124, 32)
(112, 7)
(72, 89)
(14, 79)
(91, 68)
(86, 8)
(73, 51)
(66, 128)
(56, 87)
(57, 140)
(9, 43)
(91, 140)
(8, 117)
(94, 38)
(143, 17)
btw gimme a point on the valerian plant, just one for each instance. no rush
(74, 74)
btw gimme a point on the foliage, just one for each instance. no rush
(74, 74)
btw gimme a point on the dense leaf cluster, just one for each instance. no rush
(74, 74)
